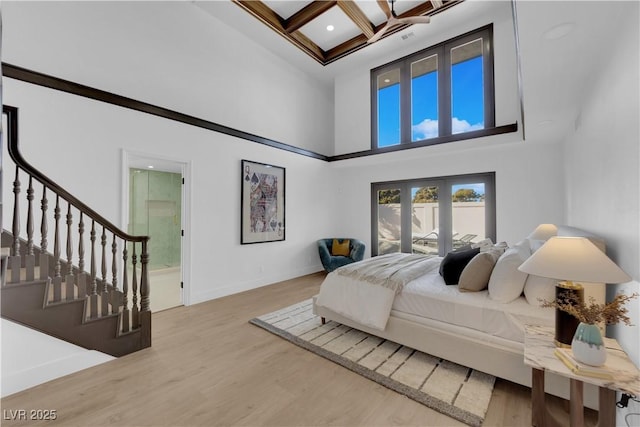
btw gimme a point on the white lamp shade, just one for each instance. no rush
(543, 232)
(575, 259)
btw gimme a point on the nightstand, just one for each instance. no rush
(539, 354)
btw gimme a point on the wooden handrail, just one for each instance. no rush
(16, 156)
(102, 298)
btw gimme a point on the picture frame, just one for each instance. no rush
(262, 206)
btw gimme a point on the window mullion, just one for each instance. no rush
(489, 81)
(374, 110)
(405, 103)
(444, 91)
(406, 211)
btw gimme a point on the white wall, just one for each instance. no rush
(30, 358)
(174, 55)
(528, 174)
(86, 138)
(528, 181)
(353, 93)
(603, 162)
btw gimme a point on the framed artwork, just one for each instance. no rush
(262, 203)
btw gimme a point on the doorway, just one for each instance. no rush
(155, 201)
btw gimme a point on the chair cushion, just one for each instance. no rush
(340, 248)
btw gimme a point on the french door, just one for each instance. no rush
(432, 215)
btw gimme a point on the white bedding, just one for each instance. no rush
(356, 300)
(429, 297)
(375, 281)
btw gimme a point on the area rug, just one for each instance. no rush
(459, 392)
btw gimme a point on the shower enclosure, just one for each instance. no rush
(155, 210)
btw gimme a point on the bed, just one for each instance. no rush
(469, 328)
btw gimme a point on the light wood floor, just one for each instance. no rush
(209, 367)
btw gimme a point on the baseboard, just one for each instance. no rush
(224, 291)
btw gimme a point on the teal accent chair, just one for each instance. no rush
(330, 262)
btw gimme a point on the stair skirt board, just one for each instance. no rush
(30, 358)
(66, 320)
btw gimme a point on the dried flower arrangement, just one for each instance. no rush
(592, 313)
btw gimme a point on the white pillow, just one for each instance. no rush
(507, 282)
(538, 288)
(483, 244)
(534, 244)
(498, 248)
(524, 249)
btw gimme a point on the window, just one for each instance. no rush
(424, 98)
(389, 112)
(432, 215)
(438, 92)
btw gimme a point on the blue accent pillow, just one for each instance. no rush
(454, 262)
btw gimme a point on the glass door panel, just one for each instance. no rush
(425, 223)
(468, 213)
(389, 221)
(155, 210)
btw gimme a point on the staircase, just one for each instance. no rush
(105, 308)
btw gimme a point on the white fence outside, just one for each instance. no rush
(468, 218)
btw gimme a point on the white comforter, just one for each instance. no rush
(367, 302)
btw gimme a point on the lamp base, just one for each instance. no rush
(566, 324)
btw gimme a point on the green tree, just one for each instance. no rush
(466, 195)
(386, 197)
(426, 195)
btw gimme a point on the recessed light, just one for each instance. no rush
(330, 27)
(150, 167)
(558, 31)
(387, 80)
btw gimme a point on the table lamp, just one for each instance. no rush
(571, 259)
(543, 232)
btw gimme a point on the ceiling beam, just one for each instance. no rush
(288, 28)
(308, 46)
(263, 13)
(307, 14)
(276, 23)
(346, 48)
(352, 10)
(419, 10)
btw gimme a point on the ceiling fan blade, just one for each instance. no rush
(385, 7)
(415, 20)
(379, 34)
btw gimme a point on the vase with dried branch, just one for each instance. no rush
(593, 313)
(587, 345)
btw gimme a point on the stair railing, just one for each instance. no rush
(104, 297)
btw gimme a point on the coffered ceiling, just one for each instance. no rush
(330, 30)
